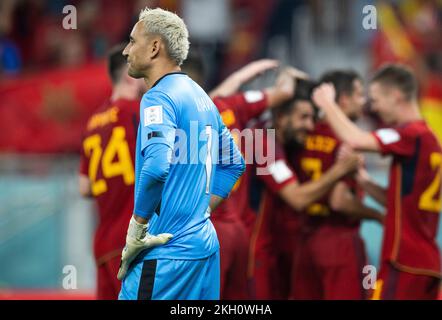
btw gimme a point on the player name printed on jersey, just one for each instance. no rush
(203, 104)
(320, 143)
(104, 118)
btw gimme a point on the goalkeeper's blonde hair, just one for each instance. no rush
(172, 30)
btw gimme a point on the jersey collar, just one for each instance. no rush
(167, 74)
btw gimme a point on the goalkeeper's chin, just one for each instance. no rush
(134, 73)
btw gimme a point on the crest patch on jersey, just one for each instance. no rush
(153, 115)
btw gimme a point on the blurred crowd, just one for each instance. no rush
(226, 33)
(33, 39)
(232, 31)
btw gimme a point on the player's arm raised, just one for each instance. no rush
(233, 82)
(282, 90)
(346, 130)
(300, 196)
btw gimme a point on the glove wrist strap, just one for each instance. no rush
(137, 230)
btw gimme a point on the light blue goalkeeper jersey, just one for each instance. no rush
(184, 154)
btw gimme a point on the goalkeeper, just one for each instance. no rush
(185, 159)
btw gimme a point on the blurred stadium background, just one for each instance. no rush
(51, 79)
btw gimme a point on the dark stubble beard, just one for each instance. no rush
(290, 141)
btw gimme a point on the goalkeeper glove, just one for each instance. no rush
(137, 240)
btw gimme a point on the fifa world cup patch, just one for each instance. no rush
(153, 115)
(253, 96)
(388, 136)
(280, 171)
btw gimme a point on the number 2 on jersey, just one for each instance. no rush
(431, 199)
(117, 146)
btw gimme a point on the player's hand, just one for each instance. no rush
(233, 82)
(286, 80)
(137, 240)
(346, 150)
(381, 219)
(348, 160)
(295, 73)
(285, 86)
(324, 95)
(362, 176)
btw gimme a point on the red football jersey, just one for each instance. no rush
(236, 111)
(317, 157)
(277, 223)
(107, 158)
(413, 199)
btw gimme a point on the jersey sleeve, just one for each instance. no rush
(242, 106)
(84, 165)
(275, 173)
(158, 123)
(399, 141)
(158, 120)
(230, 165)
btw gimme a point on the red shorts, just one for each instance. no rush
(393, 284)
(329, 265)
(248, 219)
(234, 245)
(108, 286)
(271, 274)
(270, 265)
(272, 245)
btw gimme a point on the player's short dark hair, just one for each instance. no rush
(116, 63)
(342, 80)
(398, 76)
(303, 92)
